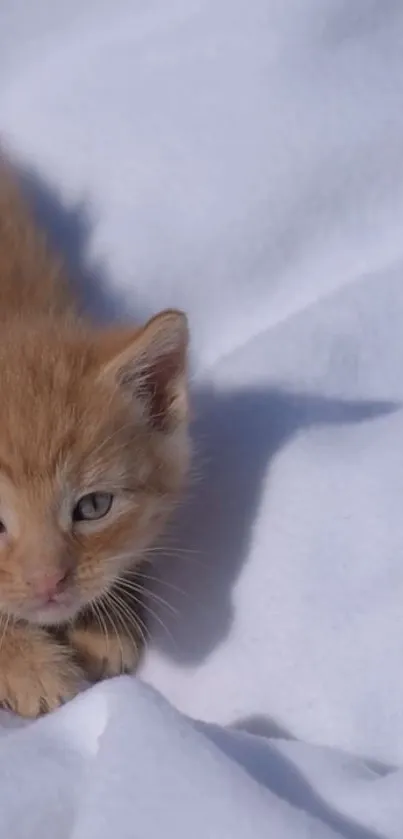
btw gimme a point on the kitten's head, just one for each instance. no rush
(93, 453)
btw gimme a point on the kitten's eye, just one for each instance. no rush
(2, 527)
(93, 506)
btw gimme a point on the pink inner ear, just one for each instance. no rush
(161, 384)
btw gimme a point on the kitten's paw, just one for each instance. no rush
(36, 673)
(104, 655)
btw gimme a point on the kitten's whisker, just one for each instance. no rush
(124, 613)
(114, 627)
(131, 586)
(159, 620)
(7, 621)
(160, 581)
(147, 608)
(149, 555)
(132, 628)
(101, 621)
(134, 616)
(171, 549)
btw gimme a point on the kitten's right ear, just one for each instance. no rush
(150, 364)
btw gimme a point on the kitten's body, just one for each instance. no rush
(86, 416)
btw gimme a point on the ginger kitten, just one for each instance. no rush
(93, 453)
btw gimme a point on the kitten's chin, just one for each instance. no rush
(52, 614)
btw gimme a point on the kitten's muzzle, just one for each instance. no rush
(51, 586)
(52, 599)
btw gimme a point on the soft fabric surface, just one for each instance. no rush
(241, 159)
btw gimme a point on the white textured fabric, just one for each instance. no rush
(241, 159)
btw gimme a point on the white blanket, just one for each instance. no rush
(241, 159)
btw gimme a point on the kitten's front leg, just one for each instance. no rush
(37, 673)
(104, 648)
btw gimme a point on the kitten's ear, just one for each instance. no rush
(149, 364)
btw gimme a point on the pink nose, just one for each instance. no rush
(51, 584)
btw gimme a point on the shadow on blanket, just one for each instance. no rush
(262, 759)
(237, 435)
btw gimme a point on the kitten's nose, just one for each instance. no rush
(51, 585)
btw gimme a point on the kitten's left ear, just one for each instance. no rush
(150, 364)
